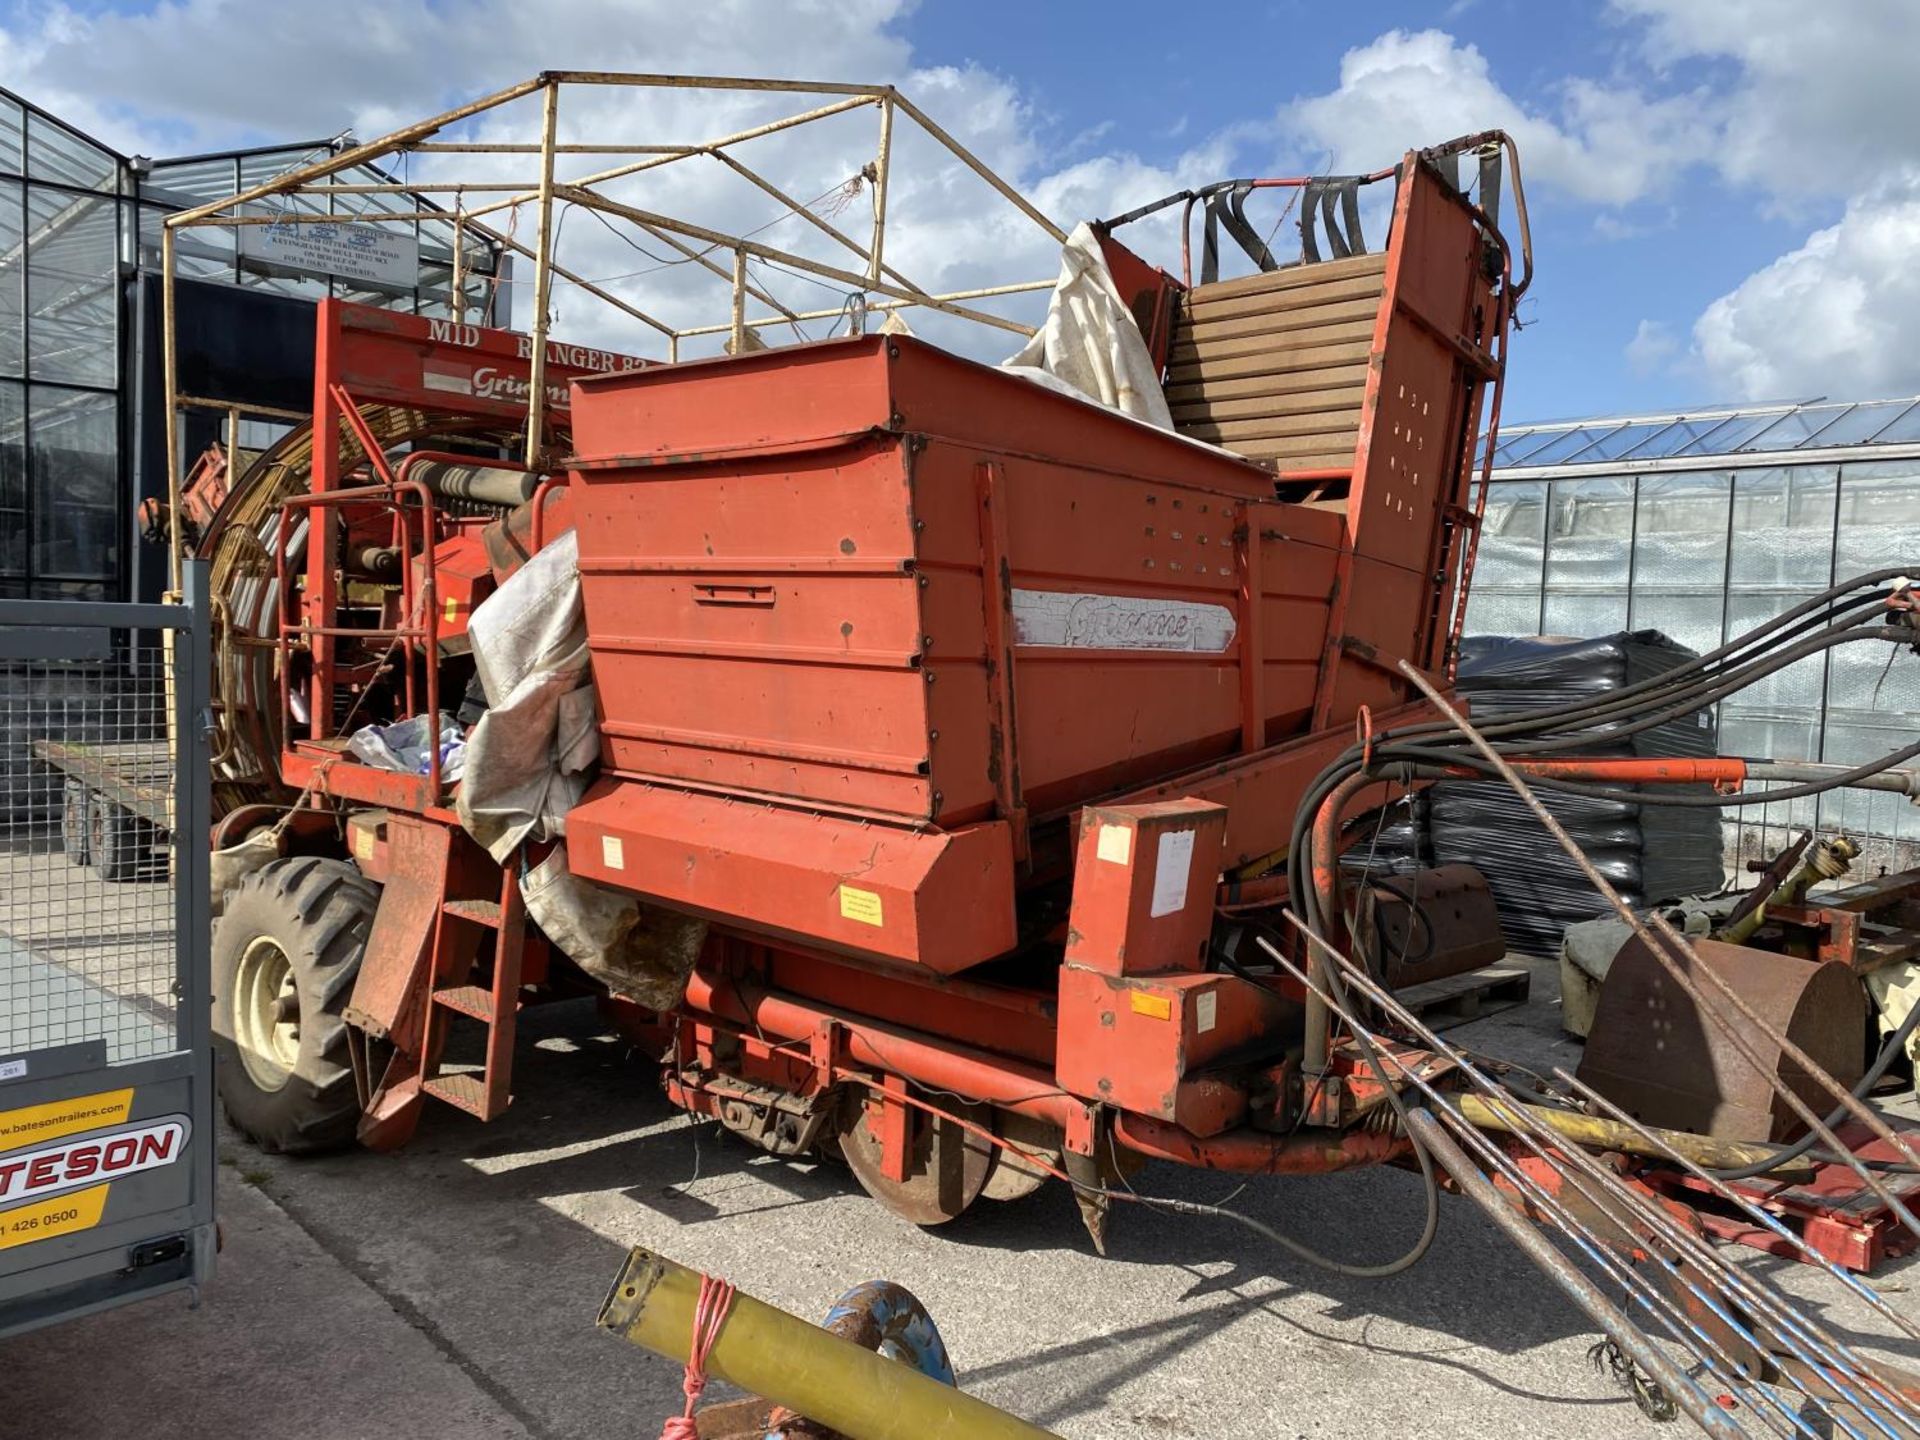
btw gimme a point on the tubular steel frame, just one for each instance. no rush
(868, 271)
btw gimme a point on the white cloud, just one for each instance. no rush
(1822, 97)
(1835, 317)
(1652, 348)
(1603, 144)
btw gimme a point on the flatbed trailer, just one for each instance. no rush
(117, 808)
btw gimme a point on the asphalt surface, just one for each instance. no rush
(450, 1290)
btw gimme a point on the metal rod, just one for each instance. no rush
(889, 303)
(1654, 923)
(882, 166)
(169, 408)
(355, 155)
(650, 221)
(754, 132)
(739, 338)
(1538, 1138)
(800, 209)
(978, 166)
(542, 281)
(1571, 1282)
(1615, 1135)
(207, 402)
(1619, 1207)
(456, 283)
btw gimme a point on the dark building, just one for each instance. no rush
(81, 429)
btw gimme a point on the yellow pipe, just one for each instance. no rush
(781, 1358)
(1601, 1134)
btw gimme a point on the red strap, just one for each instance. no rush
(709, 1314)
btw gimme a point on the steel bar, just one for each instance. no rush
(1705, 1259)
(978, 166)
(739, 337)
(738, 137)
(1636, 1216)
(457, 278)
(1575, 1285)
(798, 208)
(170, 407)
(1755, 1212)
(1736, 1037)
(986, 292)
(542, 280)
(652, 222)
(882, 168)
(357, 154)
(204, 402)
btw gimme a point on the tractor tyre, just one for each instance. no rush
(119, 842)
(285, 954)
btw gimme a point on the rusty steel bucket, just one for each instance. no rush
(1654, 1052)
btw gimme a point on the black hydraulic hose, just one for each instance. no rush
(1751, 639)
(1895, 1043)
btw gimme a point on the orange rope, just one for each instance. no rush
(709, 1314)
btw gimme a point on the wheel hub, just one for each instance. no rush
(266, 1013)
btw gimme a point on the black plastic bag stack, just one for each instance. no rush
(1649, 853)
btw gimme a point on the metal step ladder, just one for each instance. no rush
(497, 1006)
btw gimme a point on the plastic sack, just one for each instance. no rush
(1649, 853)
(403, 746)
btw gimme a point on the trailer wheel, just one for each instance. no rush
(74, 822)
(119, 842)
(285, 953)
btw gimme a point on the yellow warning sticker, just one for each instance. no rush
(63, 1117)
(861, 905)
(44, 1219)
(1115, 843)
(362, 843)
(613, 852)
(1157, 1007)
(452, 611)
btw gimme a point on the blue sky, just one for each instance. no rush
(1725, 193)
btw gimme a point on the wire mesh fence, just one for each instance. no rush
(87, 808)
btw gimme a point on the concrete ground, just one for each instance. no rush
(449, 1290)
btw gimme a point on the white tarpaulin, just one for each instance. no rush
(524, 756)
(1090, 345)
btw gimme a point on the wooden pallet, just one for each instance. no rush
(1460, 999)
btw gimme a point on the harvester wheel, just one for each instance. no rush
(947, 1164)
(285, 953)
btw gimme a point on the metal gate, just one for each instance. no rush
(107, 1144)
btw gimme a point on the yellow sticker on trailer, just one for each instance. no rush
(1155, 1007)
(861, 905)
(55, 1118)
(62, 1215)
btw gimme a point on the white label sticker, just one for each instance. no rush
(1065, 619)
(613, 854)
(1170, 870)
(12, 1069)
(1206, 1009)
(1116, 843)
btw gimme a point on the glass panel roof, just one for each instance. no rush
(1777, 426)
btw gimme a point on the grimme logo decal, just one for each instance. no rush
(1120, 622)
(90, 1160)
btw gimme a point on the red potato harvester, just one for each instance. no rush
(998, 749)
